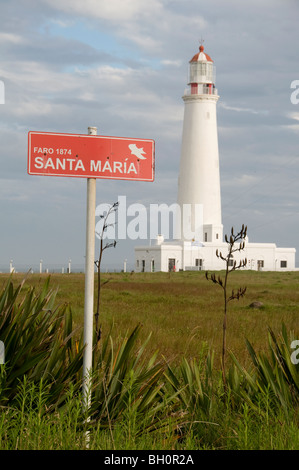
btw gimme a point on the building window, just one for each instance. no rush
(198, 262)
(217, 236)
(143, 265)
(153, 265)
(283, 264)
(206, 237)
(260, 263)
(231, 261)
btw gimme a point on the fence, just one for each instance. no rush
(63, 268)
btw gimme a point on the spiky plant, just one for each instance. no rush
(275, 375)
(230, 266)
(103, 247)
(42, 349)
(39, 341)
(124, 381)
(194, 386)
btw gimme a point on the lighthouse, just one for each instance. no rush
(198, 232)
(199, 176)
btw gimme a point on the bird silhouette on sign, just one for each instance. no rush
(138, 152)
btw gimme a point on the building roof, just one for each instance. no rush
(201, 55)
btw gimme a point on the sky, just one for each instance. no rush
(122, 66)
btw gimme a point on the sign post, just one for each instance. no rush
(91, 157)
(89, 284)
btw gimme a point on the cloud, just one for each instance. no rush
(114, 11)
(11, 38)
(292, 127)
(128, 18)
(171, 63)
(294, 115)
(242, 110)
(145, 25)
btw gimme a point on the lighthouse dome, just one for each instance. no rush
(201, 56)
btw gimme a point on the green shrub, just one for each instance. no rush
(39, 342)
(273, 375)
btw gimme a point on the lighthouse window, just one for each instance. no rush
(203, 70)
(197, 70)
(209, 72)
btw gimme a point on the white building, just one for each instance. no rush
(200, 232)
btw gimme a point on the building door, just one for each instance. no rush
(198, 263)
(260, 264)
(171, 264)
(143, 266)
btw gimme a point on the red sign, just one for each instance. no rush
(90, 156)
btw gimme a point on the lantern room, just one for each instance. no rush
(202, 74)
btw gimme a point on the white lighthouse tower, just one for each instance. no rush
(199, 177)
(199, 229)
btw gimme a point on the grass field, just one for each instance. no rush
(183, 311)
(146, 405)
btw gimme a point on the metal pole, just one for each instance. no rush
(89, 284)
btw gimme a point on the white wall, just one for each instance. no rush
(185, 256)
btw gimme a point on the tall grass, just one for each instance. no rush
(140, 399)
(26, 424)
